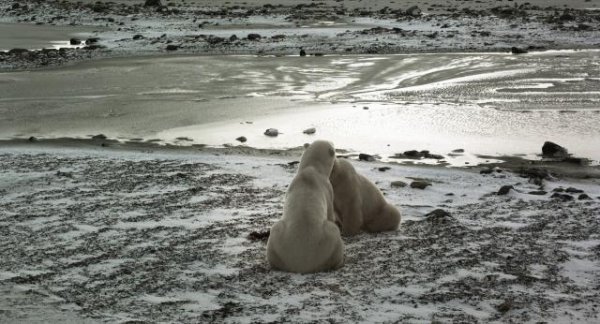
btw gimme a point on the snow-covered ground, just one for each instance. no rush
(98, 235)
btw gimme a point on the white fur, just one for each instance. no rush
(358, 202)
(306, 238)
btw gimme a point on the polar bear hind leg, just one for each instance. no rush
(387, 219)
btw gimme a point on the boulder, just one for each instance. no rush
(271, 132)
(419, 185)
(517, 50)
(398, 184)
(504, 190)
(138, 36)
(172, 47)
(254, 37)
(152, 3)
(74, 41)
(311, 130)
(302, 52)
(242, 139)
(92, 40)
(553, 150)
(366, 157)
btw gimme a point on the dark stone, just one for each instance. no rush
(504, 190)
(242, 139)
(138, 36)
(383, 169)
(584, 197)
(152, 3)
(553, 150)
(486, 171)
(254, 37)
(419, 185)
(517, 50)
(74, 41)
(413, 154)
(538, 192)
(92, 40)
(214, 40)
(94, 47)
(366, 157)
(573, 190)
(437, 213)
(302, 52)
(398, 184)
(172, 47)
(99, 137)
(271, 132)
(32, 139)
(259, 236)
(233, 38)
(558, 190)
(18, 51)
(563, 197)
(505, 306)
(458, 151)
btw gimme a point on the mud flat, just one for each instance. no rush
(139, 235)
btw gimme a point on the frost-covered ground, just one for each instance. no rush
(162, 236)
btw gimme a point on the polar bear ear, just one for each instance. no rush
(306, 145)
(331, 152)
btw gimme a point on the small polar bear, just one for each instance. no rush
(358, 202)
(306, 238)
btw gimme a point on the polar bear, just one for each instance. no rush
(306, 238)
(358, 202)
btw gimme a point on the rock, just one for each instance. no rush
(486, 171)
(254, 37)
(413, 154)
(517, 50)
(99, 137)
(437, 213)
(64, 174)
(458, 151)
(302, 52)
(553, 150)
(538, 192)
(271, 132)
(214, 40)
(366, 157)
(172, 47)
(259, 236)
(383, 169)
(434, 156)
(92, 40)
(398, 184)
(242, 139)
(233, 38)
(584, 197)
(504, 190)
(419, 185)
(563, 197)
(573, 190)
(152, 3)
(138, 36)
(311, 130)
(505, 306)
(74, 41)
(18, 51)
(32, 139)
(94, 47)
(414, 11)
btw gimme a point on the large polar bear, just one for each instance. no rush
(358, 202)
(306, 238)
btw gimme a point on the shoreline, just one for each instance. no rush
(577, 168)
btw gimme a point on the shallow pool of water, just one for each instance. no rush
(483, 103)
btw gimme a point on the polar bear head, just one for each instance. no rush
(320, 155)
